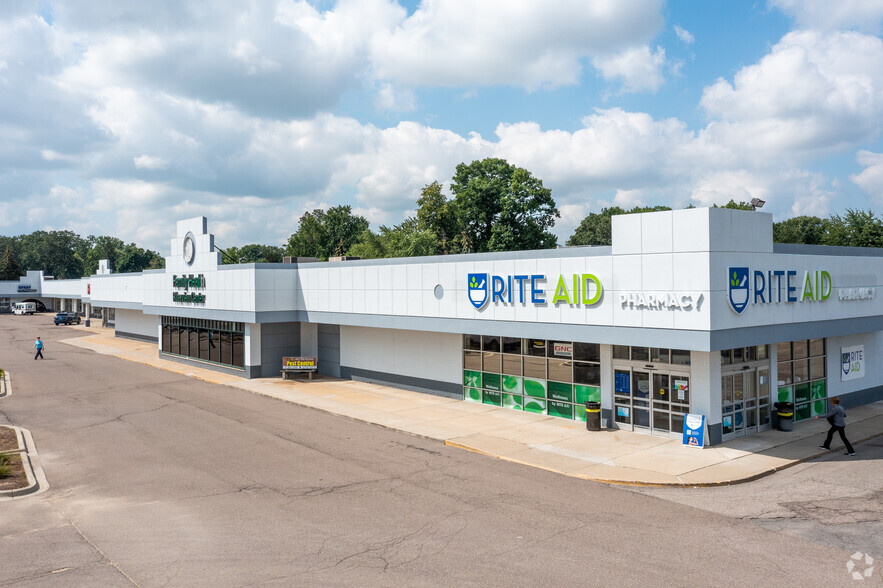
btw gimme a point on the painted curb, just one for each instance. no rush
(5, 385)
(37, 482)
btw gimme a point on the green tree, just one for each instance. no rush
(596, 228)
(309, 239)
(501, 207)
(322, 234)
(342, 229)
(132, 258)
(253, 253)
(732, 204)
(103, 247)
(807, 230)
(438, 215)
(404, 240)
(9, 268)
(857, 228)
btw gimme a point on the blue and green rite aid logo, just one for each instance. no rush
(766, 287)
(478, 290)
(575, 290)
(738, 288)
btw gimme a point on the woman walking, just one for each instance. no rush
(38, 345)
(837, 417)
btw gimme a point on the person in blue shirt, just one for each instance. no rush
(837, 417)
(38, 345)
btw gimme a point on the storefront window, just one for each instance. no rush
(621, 352)
(512, 345)
(680, 357)
(202, 339)
(472, 342)
(490, 344)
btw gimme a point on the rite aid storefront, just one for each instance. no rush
(691, 311)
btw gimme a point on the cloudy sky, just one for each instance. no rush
(119, 118)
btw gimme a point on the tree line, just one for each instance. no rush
(493, 206)
(66, 255)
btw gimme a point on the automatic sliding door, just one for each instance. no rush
(641, 399)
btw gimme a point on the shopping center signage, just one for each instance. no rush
(575, 289)
(776, 286)
(186, 283)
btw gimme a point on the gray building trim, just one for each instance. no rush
(115, 305)
(796, 249)
(679, 339)
(423, 385)
(729, 338)
(861, 397)
(135, 336)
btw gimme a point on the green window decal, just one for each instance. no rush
(494, 398)
(472, 379)
(583, 394)
(512, 384)
(560, 409)
(535, 388)
(491, 381)
(513, 401)
(536, 405)
(472, 394)
(785, 394)
(560, 392)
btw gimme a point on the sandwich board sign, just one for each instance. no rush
(694, 430)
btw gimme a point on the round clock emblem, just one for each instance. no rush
(189, 250)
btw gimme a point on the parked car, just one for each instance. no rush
(67, 318)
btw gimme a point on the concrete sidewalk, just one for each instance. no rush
(535, 440)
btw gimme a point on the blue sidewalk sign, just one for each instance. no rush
(694, 430)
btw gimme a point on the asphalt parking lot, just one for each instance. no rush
(159, 479)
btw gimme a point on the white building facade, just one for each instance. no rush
(690, 311)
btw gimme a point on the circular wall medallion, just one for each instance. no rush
(189, 249)
(439, 292)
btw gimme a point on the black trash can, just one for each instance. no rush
(593, 416)
(785, 415)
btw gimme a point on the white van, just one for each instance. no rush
(24, 308)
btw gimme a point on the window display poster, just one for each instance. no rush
(681, 389)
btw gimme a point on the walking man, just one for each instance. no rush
(837, 417)
(38, 345)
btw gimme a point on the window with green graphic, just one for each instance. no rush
(802, 378)
(472, 394)
(583, 394)
(494, 398)
(560, 409)
(491, 382)
(472, 379)
(560, 392)
(551, 377)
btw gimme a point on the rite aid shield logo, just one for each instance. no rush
(738, 279)
(478, 287)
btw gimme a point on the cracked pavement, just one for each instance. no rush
(156, 479)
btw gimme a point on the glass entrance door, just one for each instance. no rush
(745, 402)
(650, 401)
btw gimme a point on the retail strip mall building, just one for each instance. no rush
(689, 311)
